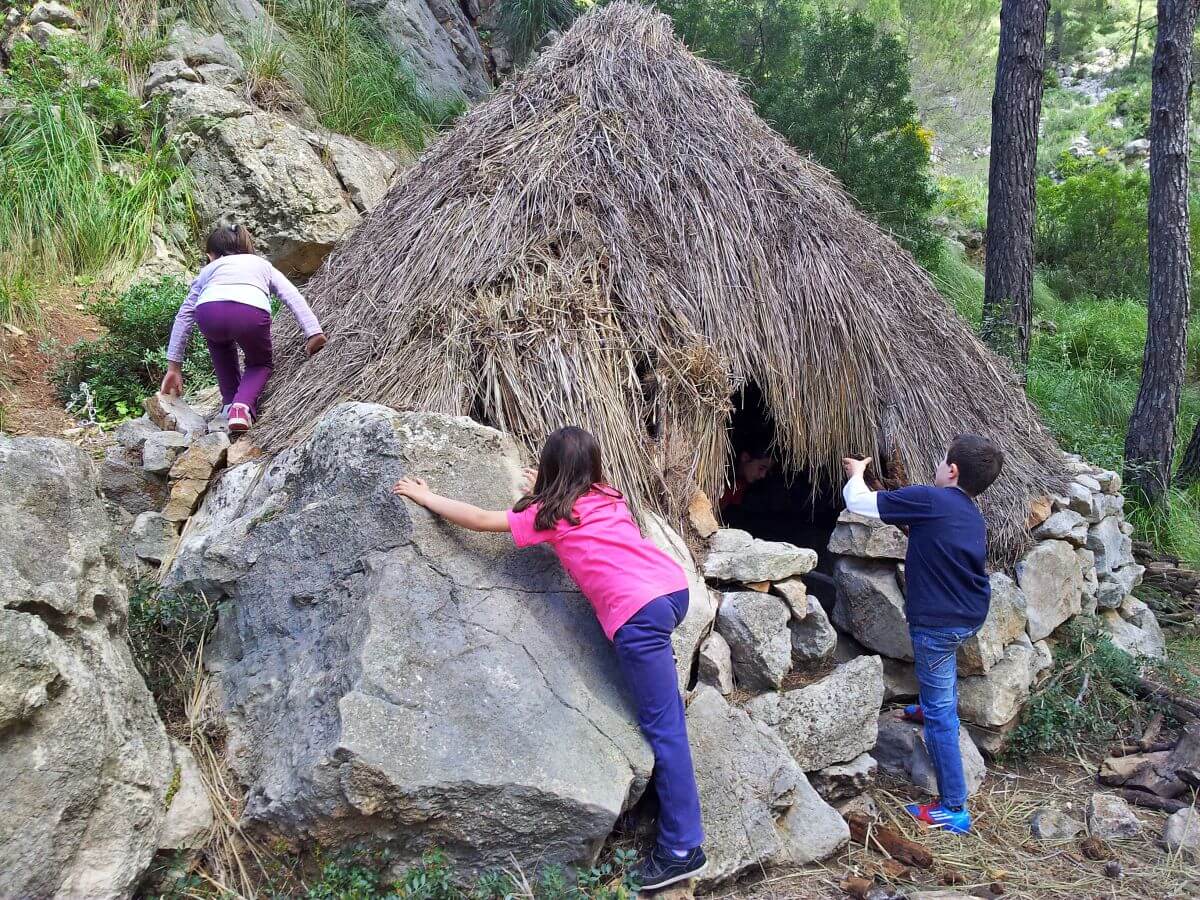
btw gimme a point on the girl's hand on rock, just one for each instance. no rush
(172, 382)
(315, 343)
(415, 489)
(529, 479)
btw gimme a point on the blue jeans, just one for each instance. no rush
(936, 666)
(643, 646)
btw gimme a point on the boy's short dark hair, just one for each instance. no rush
(979, 462)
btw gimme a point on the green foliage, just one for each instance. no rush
(961, 202)
(1091, 697)
(128, 362)
(1120, 117)
(80, 186)
(837, 87)
(166, 631)
(352, 79)
(18, 301)
(1090, 232)
(525, 22)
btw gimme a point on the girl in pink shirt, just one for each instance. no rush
(640, 595)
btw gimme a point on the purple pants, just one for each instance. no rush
(643, 646)
(227, 325)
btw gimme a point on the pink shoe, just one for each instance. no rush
(240, 419)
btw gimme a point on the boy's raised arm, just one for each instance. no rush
(859, 498)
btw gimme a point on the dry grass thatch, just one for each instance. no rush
(615, 239)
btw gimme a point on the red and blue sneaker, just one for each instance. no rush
(913, 713)
(938, 816)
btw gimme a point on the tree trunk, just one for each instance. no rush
(1016, 106)
(1150, 441)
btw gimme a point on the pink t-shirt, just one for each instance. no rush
(618, 570)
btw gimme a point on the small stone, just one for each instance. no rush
(161, 449)
(863, 805)
(1181, 834)
(795, 594)
(202, 458)
(154, 537)
(1116, 770)
(1088, 481)
(1110, 482)
(755, 626)
(857, 535)
(1113, 869)
(185, 497)
(1039, 511)
(132, 433)
(735, 555)
(241, 451)
(1095, 849)
(44, 34)
(715, 666)
(1113, 548)
(1052, 824)
(700, 514)
(190, 816)
(813, 637)
(171, 413)
(1083, 501)
(843, 781)
(1064, 525)
(55, 14)
(1110, 818)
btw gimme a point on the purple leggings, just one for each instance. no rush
(227, 325)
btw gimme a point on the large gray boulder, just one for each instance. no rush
(1050, 577)
(84, 760)
(438, 687)
(1135, 629)
(1005, 623)
(830, 721)
(1112, 546)
(758, 808)
(813, 637)
(870, 606)
(755, 625)
(994, 698)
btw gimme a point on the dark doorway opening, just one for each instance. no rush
(782, 504)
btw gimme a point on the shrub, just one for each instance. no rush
(128, 362)
(80, 185)
(166, 631)
(355, 82)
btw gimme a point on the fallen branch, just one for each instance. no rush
(1135, 748)
(1150, 801)
(864, 831)
(1152, 691)
(1152, 730)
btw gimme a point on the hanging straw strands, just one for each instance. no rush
(615, 239)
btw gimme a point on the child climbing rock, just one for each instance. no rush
(230, 301)
(946, 600)
(640, 596)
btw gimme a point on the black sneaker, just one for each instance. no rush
(662, 867)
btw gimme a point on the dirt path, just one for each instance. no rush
(27, 396)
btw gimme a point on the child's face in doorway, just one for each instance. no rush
(754, 468)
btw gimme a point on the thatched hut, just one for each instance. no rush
(615, 239)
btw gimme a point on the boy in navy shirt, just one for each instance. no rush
(947, 593)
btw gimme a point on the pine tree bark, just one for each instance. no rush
(1012, 183)
(1150, 441)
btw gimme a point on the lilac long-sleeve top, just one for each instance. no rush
(242, 278)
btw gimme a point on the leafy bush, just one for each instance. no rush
(1091, 697)
(80, 185)
(961, 202)
(166, 630)
(1090, 231)
(128, 362)
(353, 80)
(525, 22)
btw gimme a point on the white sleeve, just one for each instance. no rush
(860, 498)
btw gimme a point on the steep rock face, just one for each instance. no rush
(438, 688)
(84, 760)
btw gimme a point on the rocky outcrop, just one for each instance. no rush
(870, 606)
(297, 187)
(439, 688)
(758, 807)
(830, 721)
(84, 760)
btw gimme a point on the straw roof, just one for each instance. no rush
(615, 239)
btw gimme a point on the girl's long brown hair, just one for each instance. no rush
(568, 467)
(228, 240)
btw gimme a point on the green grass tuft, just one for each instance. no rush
(525, 22)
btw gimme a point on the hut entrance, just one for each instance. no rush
(772, 502)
